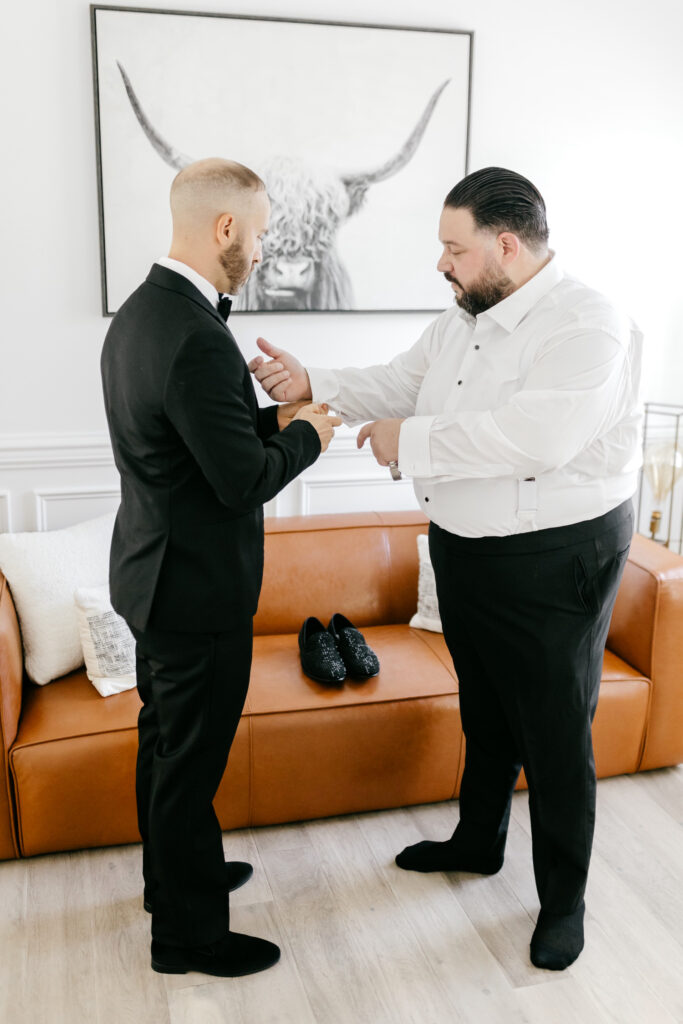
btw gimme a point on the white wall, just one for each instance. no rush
(583, 96)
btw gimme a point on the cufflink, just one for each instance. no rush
(395, 471)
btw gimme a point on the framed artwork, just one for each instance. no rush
(358, 131)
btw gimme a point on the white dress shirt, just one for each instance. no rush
(205, 287)
(523, 418)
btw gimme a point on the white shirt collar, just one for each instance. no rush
(205, 287)
(509, 312)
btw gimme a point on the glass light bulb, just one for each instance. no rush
(663, 465)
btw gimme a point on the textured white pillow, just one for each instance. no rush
(427, 614)
(108, 644)
(43, 570)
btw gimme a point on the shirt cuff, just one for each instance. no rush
(414, 457)
(324, 385)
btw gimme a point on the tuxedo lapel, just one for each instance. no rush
(168, 279)
(162, 277)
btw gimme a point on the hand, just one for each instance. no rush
(383, 436)
(283, 378)
(323, 424)
(287, 412)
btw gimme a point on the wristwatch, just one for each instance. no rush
(395, 471)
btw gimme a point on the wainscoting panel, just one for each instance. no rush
(344, 479)
(57, 508)
(53, 481)
(5, 512)
(355, 495)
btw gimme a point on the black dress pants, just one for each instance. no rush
(193, 687)
(525, 618)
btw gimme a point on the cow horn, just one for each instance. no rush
(172, 156)
(357, 184)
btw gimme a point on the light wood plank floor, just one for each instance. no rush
(364, 942)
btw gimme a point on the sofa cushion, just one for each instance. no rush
(362, 565)
(72, 707)
(73, 769)
(410, 667)
(621, 719)
(319, 750)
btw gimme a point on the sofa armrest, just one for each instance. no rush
(647, 633)
(11, 684)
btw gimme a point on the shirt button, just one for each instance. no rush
(426, 499)
(476, 347)
(459, 382)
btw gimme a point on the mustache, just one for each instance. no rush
(452, 280)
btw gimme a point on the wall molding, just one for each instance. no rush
(5, 512)
(53, 480)
(27, 451)
(309, 486)
(61, 451)
(51, 497)
(342, 447)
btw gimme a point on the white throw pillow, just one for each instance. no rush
(43, 570)
(427, 614)
(108, 644)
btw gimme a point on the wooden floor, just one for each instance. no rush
(362, 941)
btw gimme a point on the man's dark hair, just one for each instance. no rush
(505, 201)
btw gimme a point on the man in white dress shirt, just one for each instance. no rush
(517, 416)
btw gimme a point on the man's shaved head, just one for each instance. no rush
(220, 215)
(204, 190)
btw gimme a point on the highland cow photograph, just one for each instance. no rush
(358, 132)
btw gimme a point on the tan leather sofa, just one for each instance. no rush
(304, 750)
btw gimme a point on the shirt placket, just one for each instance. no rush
(469, 370)
(465, 375)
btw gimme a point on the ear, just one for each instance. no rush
(509, 246)
(225, 229)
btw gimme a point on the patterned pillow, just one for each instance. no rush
(108, 644)
(427, 614)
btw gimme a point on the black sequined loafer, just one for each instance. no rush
(320, 658)
(361, 662)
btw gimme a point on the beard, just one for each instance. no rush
(491, 288)
(236, 266)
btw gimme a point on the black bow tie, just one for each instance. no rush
(224, 305)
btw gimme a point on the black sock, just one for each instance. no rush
(447, 856)
(557, 939)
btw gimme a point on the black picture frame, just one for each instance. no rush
(140, 86)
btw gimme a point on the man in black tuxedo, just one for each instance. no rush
(197, 459)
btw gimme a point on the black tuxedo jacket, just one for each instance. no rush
(197, 459)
